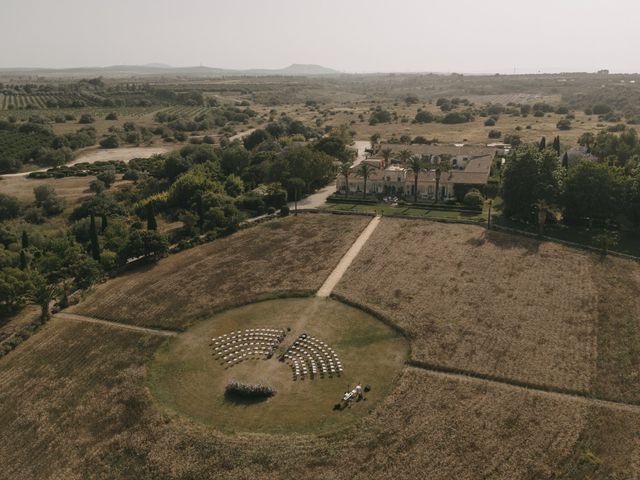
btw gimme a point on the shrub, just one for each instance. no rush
(108, 177)
(491, 189)
(473, 199)
(512, 139)
(380, 116)
(111, 116)
(86, 118)
(284, 211)
(34, 215)
(47, 199)
(495, 134)
(601, 109)
(97, 186)
(110, 142)
(564, 124)
(424, 117)
(9, 207)
(131, 175)
(489, 122)
(248, 390)
(457, 117)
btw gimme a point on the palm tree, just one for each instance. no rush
(42, 293)
(404, 155)
(374, 139)
(297, 185)
(345, 170)
(364, 171)
(442, 166)
(545, 209)
(386, 154)
(606, 240)
(415, 165)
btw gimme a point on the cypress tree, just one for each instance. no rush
(556, 144)
(23, 260)
(543, 143)
(104, 224)
(25, 239)
(200, 212)
(151, 218)
(565, 160)
(93, 234)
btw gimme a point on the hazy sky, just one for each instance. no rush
(349, 35)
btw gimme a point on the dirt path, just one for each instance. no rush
(337, 273)
(103, 155)
(82, 318)
(242, 135)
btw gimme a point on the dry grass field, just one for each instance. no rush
(471, 132)
(75, 406)
(72, 189)
(293, 254)
(13, 323)
(500, 305)
(85, 401)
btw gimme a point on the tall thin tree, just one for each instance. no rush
(416, 166)
(386, 154)
(93, 236)
(151, 218)
(345, 171)
(442, 166)
(364, 171)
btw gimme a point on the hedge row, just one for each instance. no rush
(249, 390)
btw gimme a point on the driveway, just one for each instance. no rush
(319, 198)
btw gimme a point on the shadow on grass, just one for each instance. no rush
(506, 241)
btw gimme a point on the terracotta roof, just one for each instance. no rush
(453, 176)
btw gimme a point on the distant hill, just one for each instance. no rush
(158, 69)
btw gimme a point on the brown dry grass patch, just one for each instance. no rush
(75, 406)
(72, 189)
(293, 254)
(503, 305)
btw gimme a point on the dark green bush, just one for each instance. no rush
(248, 390)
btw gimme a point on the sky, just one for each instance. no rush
(465, 36)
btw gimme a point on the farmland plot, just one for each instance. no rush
(75, 406)
(504, 306)
(290, 254)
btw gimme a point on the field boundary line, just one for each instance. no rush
(501, 228)
(109, 323)
(346, 260)
(557, 392)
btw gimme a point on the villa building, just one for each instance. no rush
(469, 165)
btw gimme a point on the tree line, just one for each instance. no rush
(603, 190)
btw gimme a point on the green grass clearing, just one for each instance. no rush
(186, 378)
